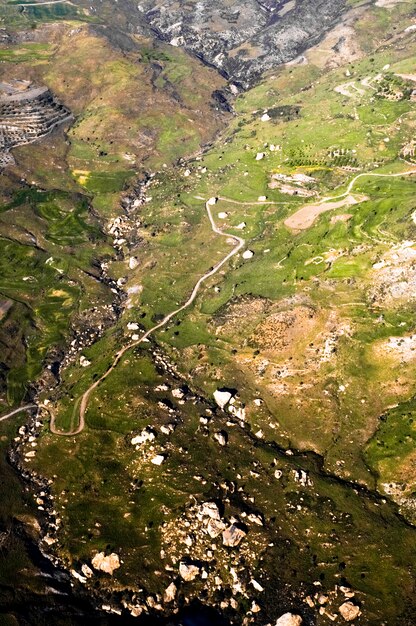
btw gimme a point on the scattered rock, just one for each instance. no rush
(210, 509)
(248, 254)
(222, 397)
(232, 536)
(349, 611)
(170, 593)
(221, 437)
(158, 459)
(289, 619)
(106, 564)
(259, 156)
(188, 572)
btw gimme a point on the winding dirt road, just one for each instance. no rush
(82, 402)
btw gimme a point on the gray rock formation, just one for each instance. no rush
(232, 536)
(243, 38)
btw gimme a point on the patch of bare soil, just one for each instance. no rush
(394, 276)
(339, 47)
(294, 342)
(241, 315)
(305, 217)
(344, 217)
(399, 349)
(280, 330)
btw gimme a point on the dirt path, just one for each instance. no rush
(39, 4)
(19, 410)
(306, 215)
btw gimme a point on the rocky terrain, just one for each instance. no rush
(240, 39)
(207, 320)
(244, 39)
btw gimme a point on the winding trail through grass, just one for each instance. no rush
(305, 217)
(82, 402)
(374, 174)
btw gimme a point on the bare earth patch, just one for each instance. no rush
(402, 349)
(344, 217)
(388, 4)
(394, 276)
(305, 217)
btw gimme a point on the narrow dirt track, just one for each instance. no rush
(19, 410)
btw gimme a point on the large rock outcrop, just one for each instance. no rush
(244, 38)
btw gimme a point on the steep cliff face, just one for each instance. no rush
(242, 38)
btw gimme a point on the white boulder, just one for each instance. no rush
(177, 41)
(349, 611)
(221, 437)
(289, 619)
(145, 436)
(87, 571)
(81, 579)
(232, 536)
(188, 572)
(209, 509)
(106, 564)
(222, 397)
(158, 459)
(170, 593)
